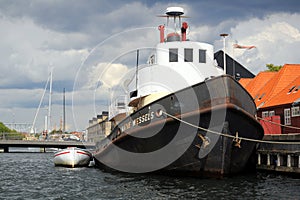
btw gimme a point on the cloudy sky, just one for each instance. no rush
(88, 45)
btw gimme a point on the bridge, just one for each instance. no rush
(6, 144)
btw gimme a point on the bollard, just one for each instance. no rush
(278, 160)
(288, 162)
(258, 159)
(268, 159)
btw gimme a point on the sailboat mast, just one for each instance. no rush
(49, 107)
(64, 111)
(38, 109)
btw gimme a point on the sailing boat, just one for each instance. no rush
(48, 116)
(195, 127)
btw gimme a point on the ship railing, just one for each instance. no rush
(119, 106)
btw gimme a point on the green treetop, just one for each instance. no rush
(273, 68)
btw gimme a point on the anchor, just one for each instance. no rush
(237, 141)
(205, 141)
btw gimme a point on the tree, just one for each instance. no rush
(273, 68)
(4, 129)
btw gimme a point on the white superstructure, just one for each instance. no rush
(175, 64)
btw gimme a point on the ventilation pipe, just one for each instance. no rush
(183, 31)
(161, 29)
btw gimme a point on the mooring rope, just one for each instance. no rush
(287, 126)
(227, 135)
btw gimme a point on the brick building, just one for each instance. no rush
(99, 127)
(277, 96)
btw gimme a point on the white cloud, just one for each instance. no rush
(28, 51)
(32, 41)
(277, 38)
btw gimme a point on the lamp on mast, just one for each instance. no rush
(224, 35)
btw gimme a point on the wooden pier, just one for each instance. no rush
(6, 144)
(281, 156)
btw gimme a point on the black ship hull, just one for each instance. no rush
(189, 132)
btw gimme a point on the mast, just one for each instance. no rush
(37, 112)
(137, 69)
(64, 111)
(49, 107)
(135, 92)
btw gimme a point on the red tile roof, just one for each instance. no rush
(259, 82)
(288, 95)
(272, 88)
(245, 81)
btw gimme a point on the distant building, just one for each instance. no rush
(99, 127)
(277, 94)
(232, 66)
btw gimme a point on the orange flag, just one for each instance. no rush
(243, 47)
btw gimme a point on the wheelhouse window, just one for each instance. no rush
(188, 55)
(173, 55)
(202, 56)
(287, 116)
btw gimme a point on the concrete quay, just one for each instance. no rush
(280, 154)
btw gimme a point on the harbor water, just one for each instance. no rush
(34, 176)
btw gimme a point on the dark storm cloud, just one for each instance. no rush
(74, 15)
(65, 16)
(216, 11)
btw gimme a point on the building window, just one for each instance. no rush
(261, 96)
(265, 114)
(295, 111)
(287, 116)
(291, 89)
(188, 55)
(173, 55)
(271, 113)
(202, 56)
(296, 90)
